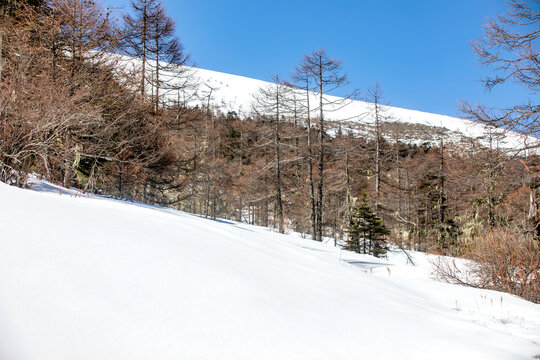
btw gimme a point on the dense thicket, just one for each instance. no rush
(79, 115)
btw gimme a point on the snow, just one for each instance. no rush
(89, 277)
(235, 93)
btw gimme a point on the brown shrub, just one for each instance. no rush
(500, 260)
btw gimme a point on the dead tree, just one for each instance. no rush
(324, 75)
(303, 80)
(270, 100)
(150, 36)
(375, 96)
(509, 47)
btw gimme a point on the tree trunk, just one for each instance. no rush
(348, 198)
(1, 48)
(144, 36)
(279, 202)
(67, 162)
(310, 167)
(442, 197)
(321, 156)
(377, 157)
(156, 99)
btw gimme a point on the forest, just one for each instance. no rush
(75, 111)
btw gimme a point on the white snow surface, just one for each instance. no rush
(235, 93)
(87, 277)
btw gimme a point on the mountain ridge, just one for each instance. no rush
(232, 92)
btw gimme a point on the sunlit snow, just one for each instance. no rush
(87, 277)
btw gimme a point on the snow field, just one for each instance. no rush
(97, 278)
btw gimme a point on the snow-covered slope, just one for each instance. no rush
(235, 93)
(96, 278)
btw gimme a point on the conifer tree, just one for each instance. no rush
(366, 231)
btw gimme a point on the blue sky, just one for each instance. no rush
(418, 50)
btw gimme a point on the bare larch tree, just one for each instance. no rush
(326, 75)
(510, 48)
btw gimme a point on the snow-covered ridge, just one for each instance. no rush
(235, 93)
(88, 277)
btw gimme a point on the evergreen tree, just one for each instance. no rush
(366, 231)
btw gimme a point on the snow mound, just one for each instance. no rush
(85, 277)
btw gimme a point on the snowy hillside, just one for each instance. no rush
(96, 278)
(235, 93)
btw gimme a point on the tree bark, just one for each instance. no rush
(321, 156)
(279, 202)
(67, 162)
(310, 167)
(377, 157)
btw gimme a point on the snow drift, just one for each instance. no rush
(94, 278)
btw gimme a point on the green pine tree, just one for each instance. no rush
(366, 231)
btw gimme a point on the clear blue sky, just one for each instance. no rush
(418, 50)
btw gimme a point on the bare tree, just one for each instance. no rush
(324, 74)
(375, 97)
(271, 100)
(150, 35)
(303, 80)
(66, 112)
(86, 34)
(510, 47)
(136, 40)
